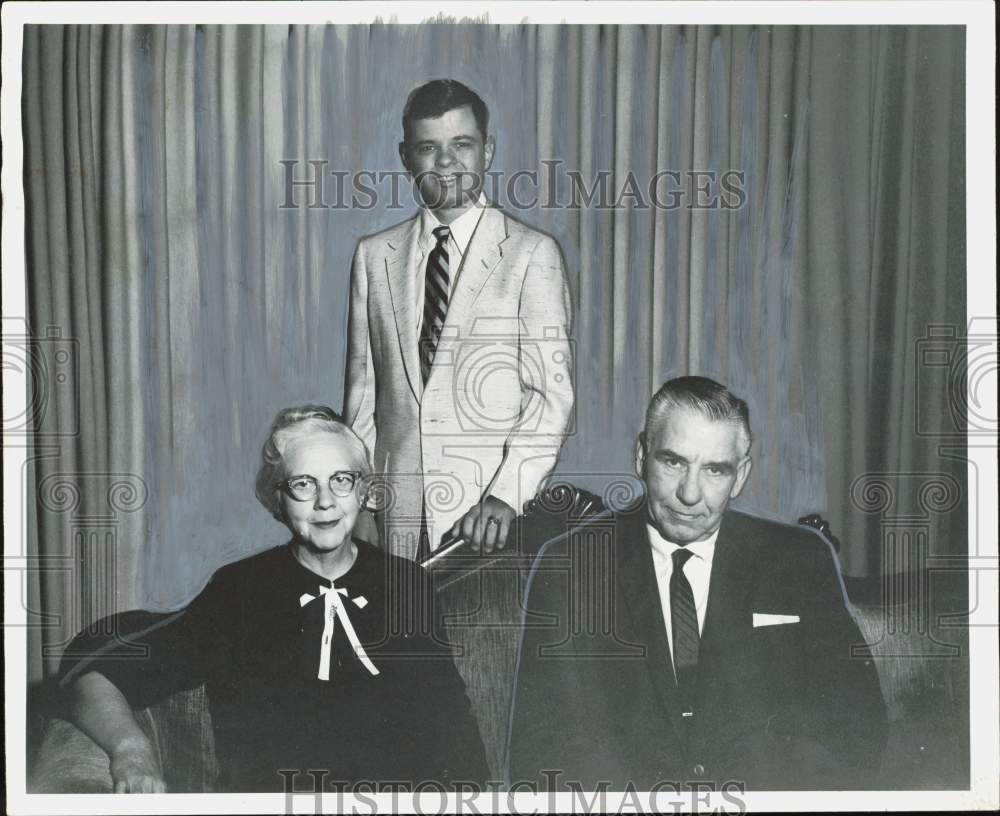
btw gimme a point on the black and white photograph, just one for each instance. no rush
(509, 407)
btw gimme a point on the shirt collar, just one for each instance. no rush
(702, 549)
(461, 228)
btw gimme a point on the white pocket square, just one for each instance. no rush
(760, 619)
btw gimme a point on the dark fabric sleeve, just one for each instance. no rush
(434, 735)
(558, 725)
(844, 711)
(448, 727)
(149, 656)
(536, 721)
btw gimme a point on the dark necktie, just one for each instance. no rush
(684, 625)
(435, 300)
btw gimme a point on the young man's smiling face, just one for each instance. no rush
(448, 157)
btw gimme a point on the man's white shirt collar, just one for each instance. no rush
(702, 549)
(461, 228)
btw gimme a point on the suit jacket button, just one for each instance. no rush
(699, 769)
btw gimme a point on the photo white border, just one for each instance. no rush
(979, 19)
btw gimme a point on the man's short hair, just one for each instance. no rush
(710, 399)
(437, 97)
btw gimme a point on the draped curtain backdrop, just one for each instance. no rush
(192, 305)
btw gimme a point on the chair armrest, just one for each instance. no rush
(186, 742)
(179, 727)
(68, 761)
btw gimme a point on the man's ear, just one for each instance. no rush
(402, 156)
(489, 147)
(742, 474)
(640, 455)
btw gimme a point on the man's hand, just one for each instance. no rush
(134, 768)
(486, 524)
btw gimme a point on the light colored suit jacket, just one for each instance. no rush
(499, 398)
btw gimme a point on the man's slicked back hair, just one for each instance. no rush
(710, 399)
(437, 97)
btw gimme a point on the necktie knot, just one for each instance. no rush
(442, 234)
(680, 557)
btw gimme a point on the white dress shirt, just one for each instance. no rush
(461, 231)
(698, 571)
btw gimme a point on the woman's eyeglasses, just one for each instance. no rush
(306, 488)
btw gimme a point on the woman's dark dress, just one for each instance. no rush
(256, 647)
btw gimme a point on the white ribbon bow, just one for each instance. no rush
(333, 608)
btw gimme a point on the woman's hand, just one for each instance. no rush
(134, 768)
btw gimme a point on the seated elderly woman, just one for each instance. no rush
(318, 655)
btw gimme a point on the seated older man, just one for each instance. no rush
(317, 655)
(684, 642)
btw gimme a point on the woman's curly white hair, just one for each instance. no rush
(294, 423)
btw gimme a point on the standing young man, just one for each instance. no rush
(459, 362)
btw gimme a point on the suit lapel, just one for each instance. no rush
(734, 570)
(402, 288)
(481, 258)
(641, 596)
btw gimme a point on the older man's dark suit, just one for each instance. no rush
(778, 707)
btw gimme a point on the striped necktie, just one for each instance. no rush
(435, 300)
(684, 623)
